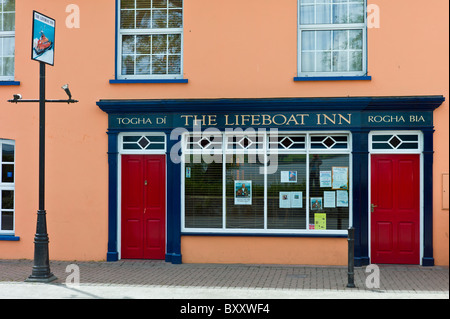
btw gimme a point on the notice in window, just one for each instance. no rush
(342, 198)
(297, 200)
(316, 203)
(242, 192)
(325, 178)
(289, 176)
(329, 199)
(320, 221)
(285, 200)
(339, 177)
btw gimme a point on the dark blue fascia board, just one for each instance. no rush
(115, 81)
(9, 238)
(392, 103)
(332, 78)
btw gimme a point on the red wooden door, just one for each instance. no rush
(143, 206)
(395, 216)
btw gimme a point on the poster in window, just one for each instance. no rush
(342, 198)
(339, 177)
(325, 178)
(43, 39)
(329, 199)
(297, 199)
(242, 192)
(285, 199)
(289, 176)
(320, 221)
(316, 203)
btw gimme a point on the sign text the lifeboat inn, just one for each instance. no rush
(278, 120)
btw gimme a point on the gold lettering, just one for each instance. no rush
(226, 120)
(349, 120)
(212, 120)
(279, 115)
(266, 120)
(325, 117)
(318, 119)
(255, 118)
(245, 118)
(292, 118)
(187, 119)
(303, 118)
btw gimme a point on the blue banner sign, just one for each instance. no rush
(283, 120)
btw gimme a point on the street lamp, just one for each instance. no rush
(41, 267)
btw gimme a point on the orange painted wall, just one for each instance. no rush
(232, 49)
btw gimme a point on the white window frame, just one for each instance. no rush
(331, 27)
(266, 231)
(6, 34)
(147, 151)
(8, 187)
(122, 32)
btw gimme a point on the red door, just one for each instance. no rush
(143, 206)
(395, 216)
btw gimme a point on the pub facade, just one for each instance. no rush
(196, 142)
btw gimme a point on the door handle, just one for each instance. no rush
(373, 207)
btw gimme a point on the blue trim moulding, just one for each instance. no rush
(9, 238)
(5, 83)
(332, 78)
(118, 81)
(402, 103)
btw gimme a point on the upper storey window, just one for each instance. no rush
(7, 39)
(150, 39)
(332, 38)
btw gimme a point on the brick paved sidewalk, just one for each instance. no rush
(393, 278)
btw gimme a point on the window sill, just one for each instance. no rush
(5, 83)
(311, 234)
(332, 78)
(127, 81)
(9, 238)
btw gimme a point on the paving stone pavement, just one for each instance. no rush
(394, 279)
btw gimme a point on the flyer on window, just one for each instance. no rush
(320, 221)
(316, 203)
(325, 178)
(329, 199)
(342, 198)
(339, 177)
(289, 176)
(285, 200)
(242, 192)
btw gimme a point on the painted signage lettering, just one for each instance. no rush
(279, 120)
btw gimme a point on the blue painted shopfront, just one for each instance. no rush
(357, 115)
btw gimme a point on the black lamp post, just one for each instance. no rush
(41, 267)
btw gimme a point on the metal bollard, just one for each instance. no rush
(351, 258)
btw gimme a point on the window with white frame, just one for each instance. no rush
(150, 39)
(332, 38)
(261, 182)
(7, 39)
(7, 163)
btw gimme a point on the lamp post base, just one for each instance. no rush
(44, 279)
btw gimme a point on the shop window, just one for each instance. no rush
(332, 37)
(239, 190)
(7, 182)
(144, 143)
(7, 39)
(150, 39)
